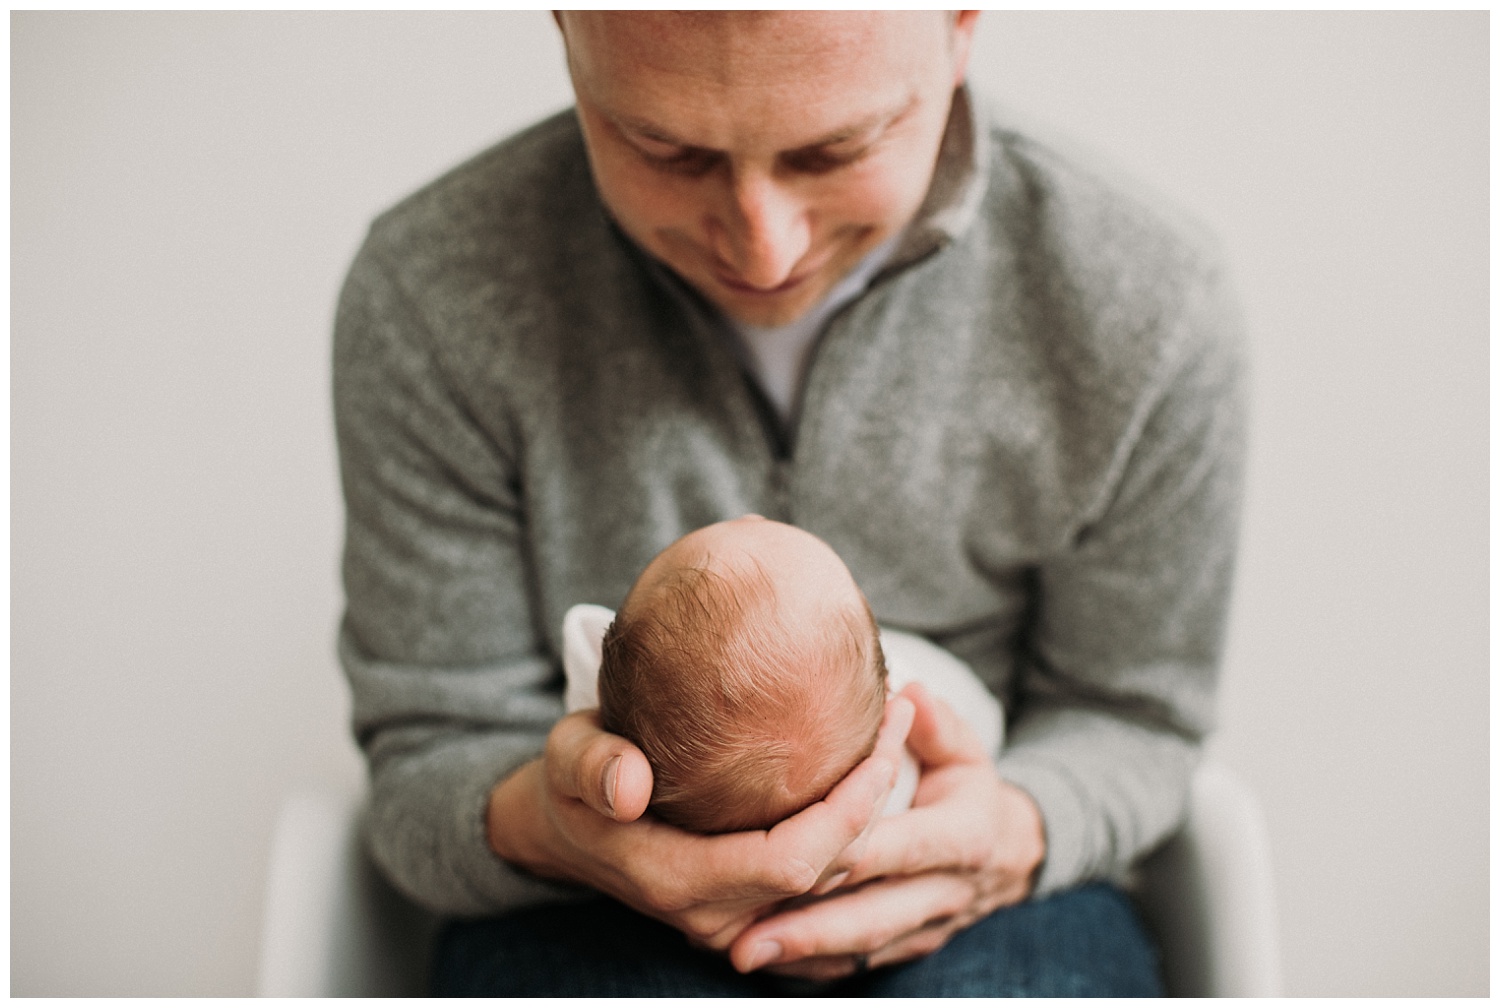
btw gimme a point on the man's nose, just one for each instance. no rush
(763, 232)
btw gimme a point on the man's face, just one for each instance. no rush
(762, 155)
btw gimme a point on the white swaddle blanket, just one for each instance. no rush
(908, 658)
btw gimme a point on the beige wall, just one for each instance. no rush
(187, 190)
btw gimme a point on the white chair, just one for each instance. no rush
(1207, 895)
(333, 927)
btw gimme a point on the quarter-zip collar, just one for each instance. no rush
(958, 184)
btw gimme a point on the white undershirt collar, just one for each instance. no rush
(778, 356)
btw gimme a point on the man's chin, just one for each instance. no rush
(765, 311)
(766, 320)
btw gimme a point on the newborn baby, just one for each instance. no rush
(746, 665)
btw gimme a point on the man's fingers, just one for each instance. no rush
(916, 841)
(611, 776)
(921, 942)
(895, 726)
(836, 829)
(808, 848)
(978, 823)
(938, 735)
(862, 922)
(919, 840)
(752, 868)
(606, 772)
(818, 970)
(718, 932)
(631, 784)
(798, 852)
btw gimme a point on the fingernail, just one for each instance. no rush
(611, 775)
(765, 953)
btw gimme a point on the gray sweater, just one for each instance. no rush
(1025, 440)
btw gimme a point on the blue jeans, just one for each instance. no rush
(1080, 943)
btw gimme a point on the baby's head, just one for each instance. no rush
(746, 665)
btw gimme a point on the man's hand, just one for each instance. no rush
(970, 844)
(577, 814)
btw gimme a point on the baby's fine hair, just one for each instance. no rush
(743, 719)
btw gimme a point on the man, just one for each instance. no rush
(780, 263)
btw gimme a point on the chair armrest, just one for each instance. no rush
(1207, 894)
(332, 926)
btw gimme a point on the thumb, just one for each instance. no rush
(938, 735)
(605, 772)
(624, 785)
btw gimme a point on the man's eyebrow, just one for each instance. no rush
(878, 121)
(646, 129)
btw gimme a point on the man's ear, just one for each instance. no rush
(963, 41)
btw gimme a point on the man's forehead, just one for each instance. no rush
(728, 40)
(689, 77)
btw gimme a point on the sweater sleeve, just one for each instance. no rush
(1118, 675)
(452, 686)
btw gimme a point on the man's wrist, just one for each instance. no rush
(1028, 837)
(509, 815)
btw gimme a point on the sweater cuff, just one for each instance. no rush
(497, 883)
(427, 831)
